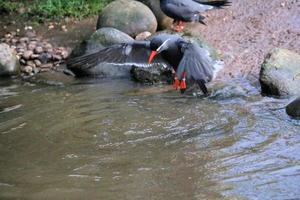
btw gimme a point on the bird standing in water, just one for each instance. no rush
(189, 61)
(188, 10)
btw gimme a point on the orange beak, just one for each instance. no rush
(152, 55)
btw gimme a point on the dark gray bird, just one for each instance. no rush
(188, 60)
(188, 10)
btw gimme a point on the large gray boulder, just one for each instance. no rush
(131, 17)
(9, 63)
(101, 38)
(164, 22)
(280, 73)
(293, 109)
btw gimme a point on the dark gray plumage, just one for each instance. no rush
(189, 10)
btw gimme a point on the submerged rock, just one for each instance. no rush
(163, 20)
(131, 17)
(9, 63)
(50, 78)
(280, 73)
(293, 109)
(156, 73)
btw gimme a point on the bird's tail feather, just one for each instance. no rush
(217, 4)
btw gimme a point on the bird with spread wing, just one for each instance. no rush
(189, 61)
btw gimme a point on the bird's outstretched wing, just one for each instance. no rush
(135, 53)
(195, 65)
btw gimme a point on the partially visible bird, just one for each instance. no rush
(189, 61)
(188, 10)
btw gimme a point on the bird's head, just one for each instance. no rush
(157, 46)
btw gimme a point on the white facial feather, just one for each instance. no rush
(164, 43)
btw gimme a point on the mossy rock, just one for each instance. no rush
(280, 73)
(131, 17)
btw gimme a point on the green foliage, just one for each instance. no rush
(55, 8)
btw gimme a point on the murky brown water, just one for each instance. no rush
(106, 140)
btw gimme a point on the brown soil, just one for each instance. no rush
(246, 31)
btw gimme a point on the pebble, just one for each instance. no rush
(64, 54)
(37, 62)
(34, 56)
(24, 40)
(30, 63)
(34, 53)
(31, 46)
(47, 46)
(22, 61)
(143, 35)
(56, 57)
(27, 54)
(47, 65)
(27, 69)
(45, 57)
(38, 50)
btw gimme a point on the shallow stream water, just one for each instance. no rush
(115, 139)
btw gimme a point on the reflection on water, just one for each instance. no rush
(105, 140)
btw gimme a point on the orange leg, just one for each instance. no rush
(178, 26)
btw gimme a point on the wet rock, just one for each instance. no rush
(51, 78)
(27, 69)
(156, 73)
(164, 22)
(103, 37)
(280, 73)
(9, 64)
(131, 17)
(293, 109)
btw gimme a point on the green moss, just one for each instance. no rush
(52, 9)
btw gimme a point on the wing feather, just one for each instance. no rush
(196, 64)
